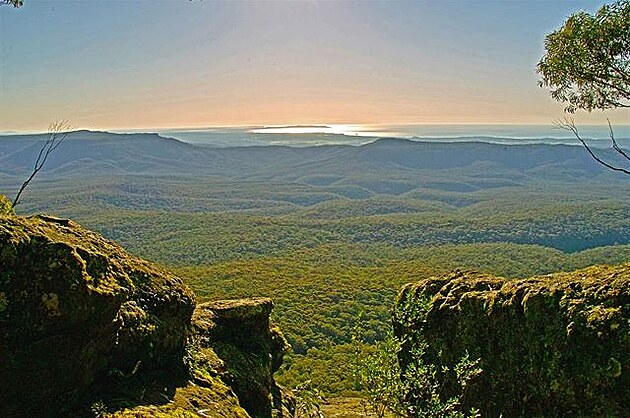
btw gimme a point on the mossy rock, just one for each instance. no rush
(248, 351)
(553, 345)
(75, 308)
(6, 208)
(89, 330)
(212, 399)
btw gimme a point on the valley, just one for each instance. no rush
(331, 233)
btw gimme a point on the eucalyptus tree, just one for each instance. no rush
(586, 65)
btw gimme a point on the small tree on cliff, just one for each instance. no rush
(587, 66)
(57, 132)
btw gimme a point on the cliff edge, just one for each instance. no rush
(554, 345)
(89, 330)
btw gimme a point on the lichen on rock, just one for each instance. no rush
(249, 349)
(554, 345)
(6, 208)
(64, 323)
(89, 330)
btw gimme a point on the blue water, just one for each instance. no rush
(597, 135)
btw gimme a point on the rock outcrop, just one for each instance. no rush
(238, 332)
(554, 345)
(87, 329)
(75, 307)
(231, 355)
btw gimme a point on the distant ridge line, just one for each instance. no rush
(472, 139)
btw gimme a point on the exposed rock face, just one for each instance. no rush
(238, 331)
(554, 345)
(87, 329)
(75, 306)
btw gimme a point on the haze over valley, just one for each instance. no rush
(165, 167)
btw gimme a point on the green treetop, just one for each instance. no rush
(587, 61)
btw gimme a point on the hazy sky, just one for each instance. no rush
(159, 64)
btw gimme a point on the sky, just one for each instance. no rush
(136, 64)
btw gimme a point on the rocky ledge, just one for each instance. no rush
(553, 345)
(238, 332)
(89, 330)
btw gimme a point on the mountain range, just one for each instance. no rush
(387, 165)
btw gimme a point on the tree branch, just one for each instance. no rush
(614, 142)
(14, 3)
(57, 132)
(619, 89)
(569, 125)
(624, 76)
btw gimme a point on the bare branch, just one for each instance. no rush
(614, 141)
(569, 125)
(57, 133)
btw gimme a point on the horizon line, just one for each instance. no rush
(279, 126)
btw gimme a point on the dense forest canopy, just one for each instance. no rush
(331, 243)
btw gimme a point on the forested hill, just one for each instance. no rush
(330, 231)
(399, 165)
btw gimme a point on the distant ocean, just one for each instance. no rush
(312, 135)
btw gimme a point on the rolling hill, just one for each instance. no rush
(400, 160)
